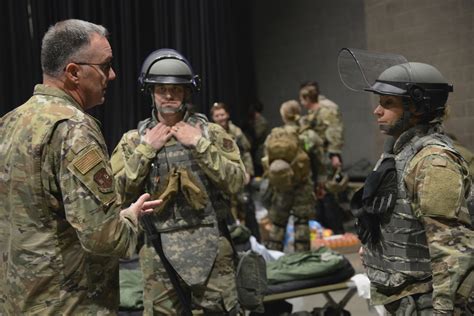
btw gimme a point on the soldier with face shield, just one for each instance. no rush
(192, 165)
(412, 212)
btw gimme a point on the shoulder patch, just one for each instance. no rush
(103, 179)
(88, 161)
(227, 144)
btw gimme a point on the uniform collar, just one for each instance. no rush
(41, 89)
(417, 132)
(155, 120)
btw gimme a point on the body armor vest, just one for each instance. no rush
(402, 255)
(189, 236)
(179, 214)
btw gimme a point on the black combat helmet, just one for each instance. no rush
(167, 66)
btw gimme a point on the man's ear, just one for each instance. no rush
(72, 72)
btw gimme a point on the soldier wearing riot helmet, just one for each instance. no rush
(192, 165)
(412, 212)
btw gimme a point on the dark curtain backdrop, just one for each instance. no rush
(215, 36)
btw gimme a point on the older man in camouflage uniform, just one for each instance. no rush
(190, 163)
(61, 232)
(412, 212)
(325, 150)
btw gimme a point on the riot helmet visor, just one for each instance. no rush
(361, 70)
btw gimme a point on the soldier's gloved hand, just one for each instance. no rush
(380, 189)
(386, 196)
(368, 229)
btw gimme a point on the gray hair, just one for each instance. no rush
(65, 40)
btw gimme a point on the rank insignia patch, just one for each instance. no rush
(227, 144)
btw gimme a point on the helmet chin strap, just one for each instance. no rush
(169, 110)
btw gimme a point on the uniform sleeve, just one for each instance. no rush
(314, 146)
(220, 159)
(87, 187)
(244, 146)
(334, 131)
(131, 162)
(438, 185)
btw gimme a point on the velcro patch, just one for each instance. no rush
(88, 161)
(439, 162)
(103, 179)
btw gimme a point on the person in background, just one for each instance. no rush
(325, 156)
(220, 114)
(287, 167)
(193, 165)
(61, 230)
(257, 130)
(242, 204)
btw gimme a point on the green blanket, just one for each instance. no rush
(304, 265)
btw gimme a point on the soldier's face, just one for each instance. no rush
(304, 102)
(221, 117)
(168, 96)
(388, 112)
(94, 72)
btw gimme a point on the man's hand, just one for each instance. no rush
(157, 136)
(186, 134)
(142, 206)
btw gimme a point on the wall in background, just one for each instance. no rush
(299, 41)
(437, 32)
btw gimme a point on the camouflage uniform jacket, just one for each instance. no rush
(327, 123)
(326, 102)
(437, 183)
(60, 231)
(262, 129)
(244, 146)
(189, 233)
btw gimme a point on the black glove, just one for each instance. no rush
(375, 201)
(381, 189)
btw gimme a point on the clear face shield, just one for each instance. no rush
(379, 73)
(361, 70)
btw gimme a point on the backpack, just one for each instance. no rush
(251, 280)
(287, 164)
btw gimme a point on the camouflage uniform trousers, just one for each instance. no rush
(217, 296)
(300, 202)
(420, 305)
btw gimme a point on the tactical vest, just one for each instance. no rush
(189, 236)
(402, 256)
(179, 214)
